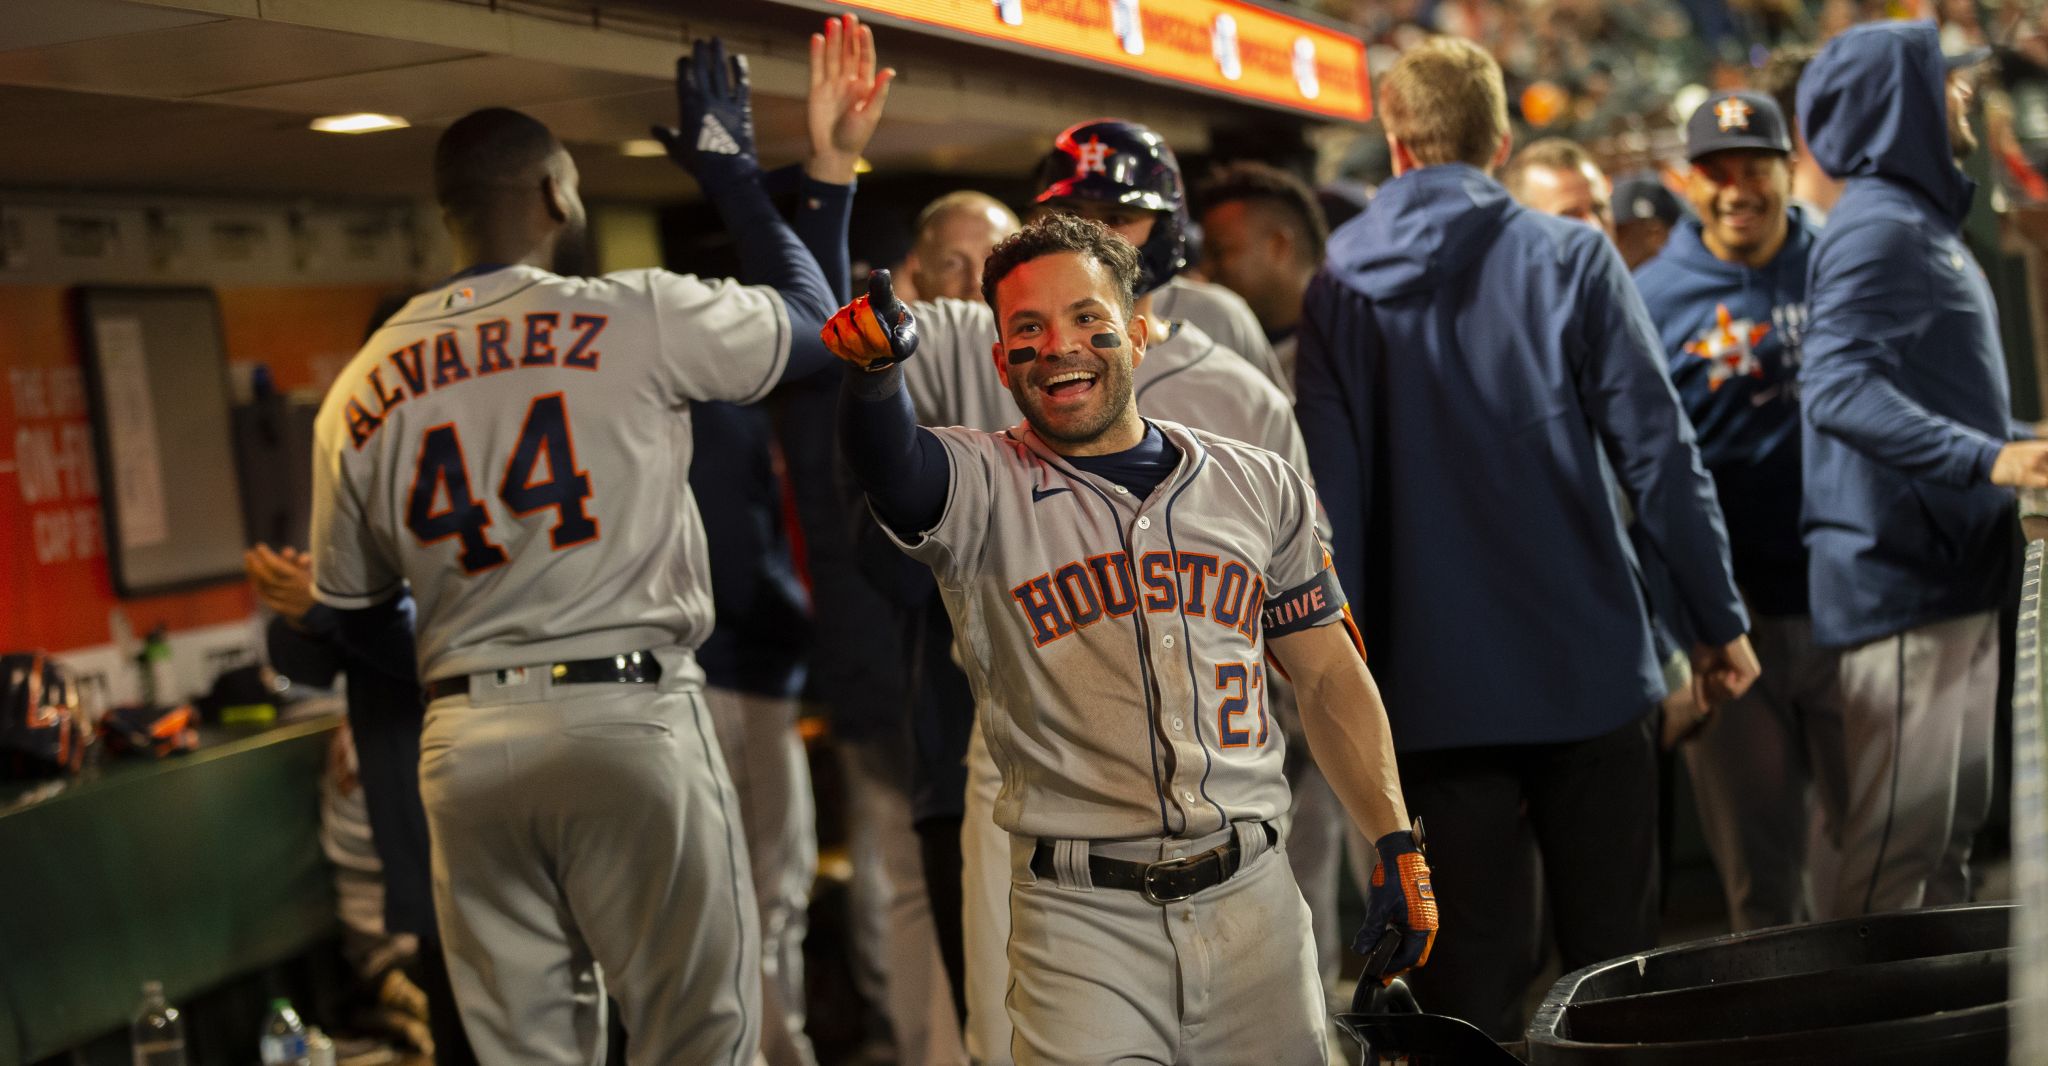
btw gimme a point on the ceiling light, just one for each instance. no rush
(359, 122)
(643, 148)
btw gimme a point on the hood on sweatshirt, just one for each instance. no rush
(1874, 103)
(1423, 227)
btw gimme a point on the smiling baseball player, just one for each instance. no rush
(1117, 583)
(1122, 175)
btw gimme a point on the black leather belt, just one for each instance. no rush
(1165, 881)
(632, 668)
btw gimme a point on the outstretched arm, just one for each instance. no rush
(1866, 314)
(900, 465)
(715, 143)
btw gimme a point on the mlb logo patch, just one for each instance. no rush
(462, 297)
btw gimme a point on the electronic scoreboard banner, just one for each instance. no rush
(1231, 47)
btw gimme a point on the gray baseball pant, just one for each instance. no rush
(892, 912)
(583, 824)
(1102, 976)
(1905, 769)
(772, 777)
(1752, 775)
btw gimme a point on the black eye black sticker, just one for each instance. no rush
(1106, 340)
(1022, 355)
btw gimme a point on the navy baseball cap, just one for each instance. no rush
(1738, 119)
(1641, 197)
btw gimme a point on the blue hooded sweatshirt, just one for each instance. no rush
(1903, 386)
(1465, 366)
(1731, 337)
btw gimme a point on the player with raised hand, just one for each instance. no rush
(846, 98)
(760, 652)
(1128, 173)
(1118, 583)
(512, 446)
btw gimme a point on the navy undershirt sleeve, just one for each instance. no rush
(899, 464)
(771, 255)
(822, 213)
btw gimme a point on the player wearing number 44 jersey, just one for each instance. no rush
(513, 444)
(1116, 584)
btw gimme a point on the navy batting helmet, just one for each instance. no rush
(1122, 163)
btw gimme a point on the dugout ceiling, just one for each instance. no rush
(213, 96)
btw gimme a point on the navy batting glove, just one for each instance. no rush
(1400, 908)
(715, 142)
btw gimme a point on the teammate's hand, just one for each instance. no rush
(1684, 715)
(1400, 909)
(846, 98)
(874, 332)
(1724, 673)
(283, 581)
(2022, 464)
(715, 142)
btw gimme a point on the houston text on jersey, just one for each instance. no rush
(1079, 594)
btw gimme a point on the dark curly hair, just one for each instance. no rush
(1056, 233)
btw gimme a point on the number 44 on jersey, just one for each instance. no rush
(443, 505)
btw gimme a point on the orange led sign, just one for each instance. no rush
(1225, 46)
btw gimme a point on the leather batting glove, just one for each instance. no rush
(1400, 908)
(715, 142)
(874, 332)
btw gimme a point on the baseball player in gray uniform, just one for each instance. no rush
(1116, 583)
(1187, 377)
(1126, 174)
(1225, 316)
(512, 444)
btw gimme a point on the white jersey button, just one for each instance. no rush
(1144, 522)
(1168, 640)
(1121, 491)
(1188, 796)
(1178, 724)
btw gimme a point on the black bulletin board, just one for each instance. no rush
(157, 370)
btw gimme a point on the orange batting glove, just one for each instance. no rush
(874, 332)
(1400, 908)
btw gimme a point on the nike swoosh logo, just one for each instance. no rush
(1039, 494)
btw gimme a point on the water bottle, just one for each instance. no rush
(284, 1036)
(158, 1034)
(159, 683)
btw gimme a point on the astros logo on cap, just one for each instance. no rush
(1733, 114)
(1091, 158)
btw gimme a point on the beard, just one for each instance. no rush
(1113, 379)
(573, 257)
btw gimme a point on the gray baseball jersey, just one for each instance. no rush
(1116, 645)
(516, 444)
(1224, 315)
